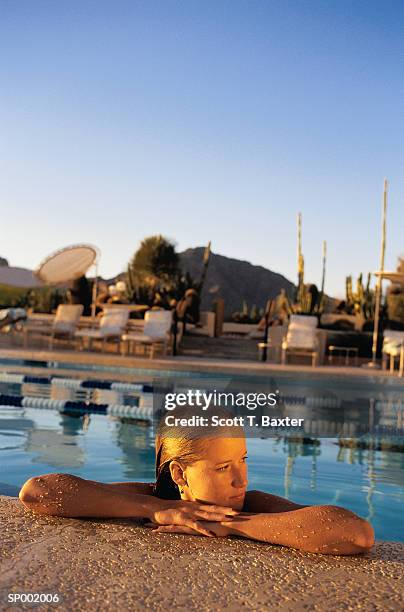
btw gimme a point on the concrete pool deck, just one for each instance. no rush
(109, 365)
(119, 565)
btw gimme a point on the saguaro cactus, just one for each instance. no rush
(361, 301)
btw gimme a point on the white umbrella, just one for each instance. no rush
(394, 277)
(68, 264)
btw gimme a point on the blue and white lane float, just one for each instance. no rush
(143, 411)
(75, 383)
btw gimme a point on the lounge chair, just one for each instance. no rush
(205, 326)
(393, 347)
(156, 332)
(63, 325)
(301, 338)
(111, 327)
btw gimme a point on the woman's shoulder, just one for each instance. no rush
(142, 488)
(147, 488)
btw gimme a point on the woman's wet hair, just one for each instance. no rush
(185, 444)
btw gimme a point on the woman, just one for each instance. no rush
(200, 489)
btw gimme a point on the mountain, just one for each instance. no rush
(18, 277)
(234, 280)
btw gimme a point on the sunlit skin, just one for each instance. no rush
(219, 478)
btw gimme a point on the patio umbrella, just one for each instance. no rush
(394, 277)
(68, 264)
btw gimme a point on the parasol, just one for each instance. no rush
(68, 264)
(394, 277)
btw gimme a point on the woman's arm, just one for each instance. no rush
(71, 496)
(144, 488)
(319, 529)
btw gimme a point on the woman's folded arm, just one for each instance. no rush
(71, 496)
(318, 529)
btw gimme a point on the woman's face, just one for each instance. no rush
(221, 476)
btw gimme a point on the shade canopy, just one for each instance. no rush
(67, 264)
(394, 277)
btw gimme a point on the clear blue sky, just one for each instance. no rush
(209, 120)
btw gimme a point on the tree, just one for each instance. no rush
(156, 257)
(154, 275)
(154, 271)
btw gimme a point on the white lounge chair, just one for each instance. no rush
(112, 325)
(301, 338)
(63, 325)
(206, 325)
(393, 347)
(156, 332)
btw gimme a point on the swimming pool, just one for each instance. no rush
(113, 447)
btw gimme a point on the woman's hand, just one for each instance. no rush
(207, 528)
(187, 515)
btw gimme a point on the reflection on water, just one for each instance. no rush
(54, 448)
(331, 407)
(136, 443)
(58, 448)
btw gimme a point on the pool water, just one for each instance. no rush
(369, 482)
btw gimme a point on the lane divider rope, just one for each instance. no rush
(74, 383)
(143, 411)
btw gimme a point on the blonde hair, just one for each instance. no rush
(185, 444)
